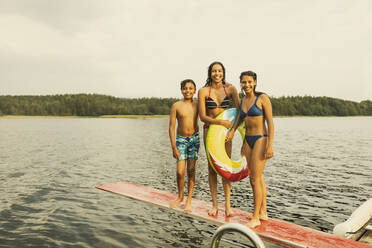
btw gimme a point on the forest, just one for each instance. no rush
(98, 105)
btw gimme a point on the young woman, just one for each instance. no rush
(214, 98)
(256, 111)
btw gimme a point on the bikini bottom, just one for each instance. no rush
(251, 140)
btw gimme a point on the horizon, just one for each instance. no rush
(146, 97)
(145, 49)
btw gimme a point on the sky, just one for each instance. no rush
(145, 48)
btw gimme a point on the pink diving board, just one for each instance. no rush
(273, 230)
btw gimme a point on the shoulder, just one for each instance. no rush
(176, 104)
(203, 90)
(230, 88)
(264, 98)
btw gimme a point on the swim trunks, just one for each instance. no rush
(188, 146)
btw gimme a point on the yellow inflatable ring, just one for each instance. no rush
(216, 152)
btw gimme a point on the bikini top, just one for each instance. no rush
(211, 104)
(253, 111)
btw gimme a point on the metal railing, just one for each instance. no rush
(237, 228)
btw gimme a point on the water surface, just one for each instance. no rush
(49, 168)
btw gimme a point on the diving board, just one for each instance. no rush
(272, 230)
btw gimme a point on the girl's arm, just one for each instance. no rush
(235, 97)
(266, 105)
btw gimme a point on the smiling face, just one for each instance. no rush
(217, 73)
(188, 90)
(248, 84)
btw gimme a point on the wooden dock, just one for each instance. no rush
(275, 231)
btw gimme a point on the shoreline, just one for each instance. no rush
(133, 116)
(149, 116)
(74, 116)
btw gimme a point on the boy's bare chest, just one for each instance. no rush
(187, 111)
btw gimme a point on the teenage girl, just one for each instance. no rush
(256, 111)
(214, 98)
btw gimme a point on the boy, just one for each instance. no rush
(186, 145)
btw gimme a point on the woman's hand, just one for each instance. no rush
(269, 152)
(226, 123)
(230, 135)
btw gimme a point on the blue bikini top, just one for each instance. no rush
(253, 111)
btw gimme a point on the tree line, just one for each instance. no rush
(97, 105)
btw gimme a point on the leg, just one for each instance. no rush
(263, 210)
(257, 165)
(181, 166)
(227, 185)
(212, 180)
(247, 152)
(190, 183)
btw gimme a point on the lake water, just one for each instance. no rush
(49, 167)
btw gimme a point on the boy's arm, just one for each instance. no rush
(197, 112)
(172, 124)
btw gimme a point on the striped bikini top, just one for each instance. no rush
(211, 104)
(253, 111)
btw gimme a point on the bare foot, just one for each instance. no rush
(187, 208)
(229, 213)
(264, 216)
(253, 223)
(213, 211)
(175, 203)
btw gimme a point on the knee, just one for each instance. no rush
(180, 174)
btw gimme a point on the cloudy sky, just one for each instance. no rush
(144, 48)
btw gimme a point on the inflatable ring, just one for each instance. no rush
(216, 152)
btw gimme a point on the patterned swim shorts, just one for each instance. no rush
(188, 146)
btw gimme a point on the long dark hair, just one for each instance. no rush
(209, 79)
(254, 75)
